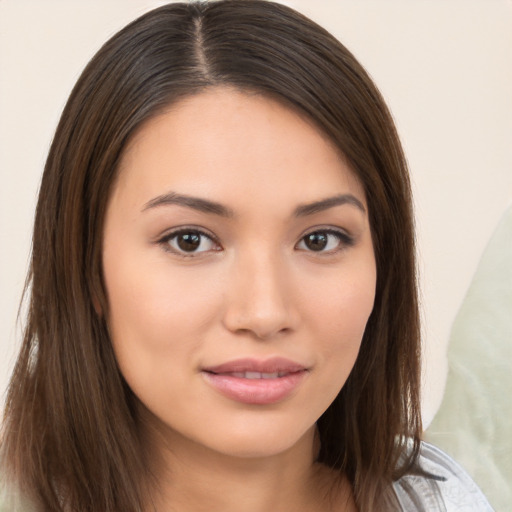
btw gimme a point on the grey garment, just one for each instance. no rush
(449, 489)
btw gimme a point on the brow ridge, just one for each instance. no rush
(212, 207)
(330, 202)
(196, 203)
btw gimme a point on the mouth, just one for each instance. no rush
(257, 369)
(256, 382)
(254, 375)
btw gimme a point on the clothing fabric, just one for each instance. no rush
(448, 488)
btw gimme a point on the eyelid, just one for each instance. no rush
(346, 240)
(163, 240)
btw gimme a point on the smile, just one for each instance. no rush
(256, 375)
(256, 382)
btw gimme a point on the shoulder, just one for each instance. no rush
(447, 488)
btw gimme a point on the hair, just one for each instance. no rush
(71, 435)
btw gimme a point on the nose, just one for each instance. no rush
(260, 298)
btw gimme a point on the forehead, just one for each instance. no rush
(233, 145)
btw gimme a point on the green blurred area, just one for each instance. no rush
(474, 422)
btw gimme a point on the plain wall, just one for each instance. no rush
(444, 67)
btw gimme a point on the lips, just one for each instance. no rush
(253, 381)
(256, 375)
(267, 366)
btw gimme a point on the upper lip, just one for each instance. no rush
(272, 365)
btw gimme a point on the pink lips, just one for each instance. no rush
(252, 381)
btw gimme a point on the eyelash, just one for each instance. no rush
(166, 240)
(343, 238)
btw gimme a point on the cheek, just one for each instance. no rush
(349, 315)
(155, 314)
(158, 323)
(342, 304)
(338, 317)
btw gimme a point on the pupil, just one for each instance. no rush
(189, 241)
(316, 241)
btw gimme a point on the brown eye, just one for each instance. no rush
(190, 242)
(325, 241)
(316, 241)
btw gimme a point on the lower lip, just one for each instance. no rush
(255, 391)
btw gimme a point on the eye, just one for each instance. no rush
(326, 240)
(188, 242)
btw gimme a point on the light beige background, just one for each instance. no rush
(444, 66)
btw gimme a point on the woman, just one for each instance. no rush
(223, 295)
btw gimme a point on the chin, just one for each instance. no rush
(259, 440)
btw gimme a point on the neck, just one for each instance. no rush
(193, 478)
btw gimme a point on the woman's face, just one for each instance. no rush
(239, 271)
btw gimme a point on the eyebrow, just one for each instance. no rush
(196, 203)
(207, 206)
(329, 202)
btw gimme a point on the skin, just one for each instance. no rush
(252, 288)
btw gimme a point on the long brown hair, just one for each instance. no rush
(71, 435)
